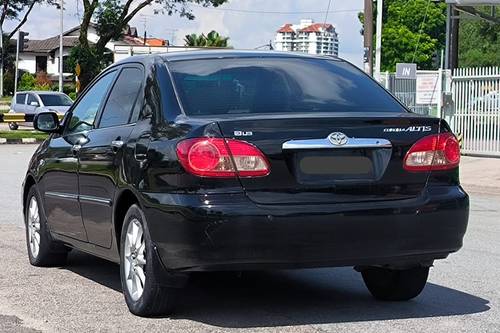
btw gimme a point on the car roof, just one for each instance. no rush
(222, 53)
(41, 92)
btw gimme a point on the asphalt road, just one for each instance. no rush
(462, 295)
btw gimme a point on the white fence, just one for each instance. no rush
(476, 97)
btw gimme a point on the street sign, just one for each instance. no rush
(406, 71)
(427, 89)
(78, 70)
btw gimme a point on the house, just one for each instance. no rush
(308, 37)
(43, 55)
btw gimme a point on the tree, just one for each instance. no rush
(412, 31)
(478, 42)
(17, 9)
(112, 17)
(13, 10)
(212, 39)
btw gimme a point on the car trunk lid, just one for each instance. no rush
(309, 166)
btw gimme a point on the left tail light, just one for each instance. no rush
(217, 157)
(433, 152)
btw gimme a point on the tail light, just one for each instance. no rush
(433, 152)
(217, 157)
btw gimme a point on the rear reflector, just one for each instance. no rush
(217, 157)
(433, 152)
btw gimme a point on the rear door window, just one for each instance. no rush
(276, 85)
(122, 99)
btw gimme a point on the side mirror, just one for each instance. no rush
(34, 104)
(46, 122)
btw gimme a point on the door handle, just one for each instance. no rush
(116, 144)
(75, 149)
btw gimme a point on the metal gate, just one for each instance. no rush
(476, 96)
(406, 91)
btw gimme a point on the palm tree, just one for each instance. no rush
(213, 39)
(195, 40)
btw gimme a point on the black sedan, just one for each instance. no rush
(232, 160)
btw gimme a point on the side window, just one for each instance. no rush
(32, 98)
(122, 99)
(84, 113)
(20, 98)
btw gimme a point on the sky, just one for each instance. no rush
(246, 30)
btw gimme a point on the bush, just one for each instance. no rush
(72, 95)
(27, 82)
(69, 88)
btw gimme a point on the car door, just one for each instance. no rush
(19, 103)
(32, 104)
(59, 183)
(101, 157)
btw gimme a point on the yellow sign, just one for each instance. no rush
(78, 70)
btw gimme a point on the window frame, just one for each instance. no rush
(67, 120)
(140, 98)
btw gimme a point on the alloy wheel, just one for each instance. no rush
(34, 227)
(135, 259)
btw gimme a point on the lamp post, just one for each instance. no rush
(61, 7)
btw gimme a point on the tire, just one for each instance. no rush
(13, 126)
(42, 250)
(155, 299)
(395, 285)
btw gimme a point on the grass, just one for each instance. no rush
(19, 134)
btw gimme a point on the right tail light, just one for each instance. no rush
(433, 152)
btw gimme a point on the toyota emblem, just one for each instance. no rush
(338, 138)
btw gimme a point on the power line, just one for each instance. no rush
(420, 30)
(326, 14)
(249, 11)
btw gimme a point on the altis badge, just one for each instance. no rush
(408, 129)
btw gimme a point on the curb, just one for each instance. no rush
(4, 141)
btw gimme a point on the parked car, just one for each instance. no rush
(34, 102)
(231, 160)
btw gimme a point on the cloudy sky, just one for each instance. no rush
(246, 30)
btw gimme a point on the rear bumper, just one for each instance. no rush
(229, 232)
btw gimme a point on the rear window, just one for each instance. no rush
(20, 98)
(276, 85)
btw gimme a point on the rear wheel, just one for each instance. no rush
(42, 250)
(395, 285)
(13, 126)
(144, 294)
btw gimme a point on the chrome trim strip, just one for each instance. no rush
(92, 199)
(326, 144)
(86, 198)
(61, 195)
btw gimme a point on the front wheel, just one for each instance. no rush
(395, 285)
(42, 249)
(13, 126)
(145, 295)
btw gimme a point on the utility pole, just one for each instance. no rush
(378, 42)
(20, 35)
(368, 35)
(1, 61)
(61, 5)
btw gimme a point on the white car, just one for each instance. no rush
(33, 102)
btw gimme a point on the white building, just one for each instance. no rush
(308, 37)
(43, 55)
